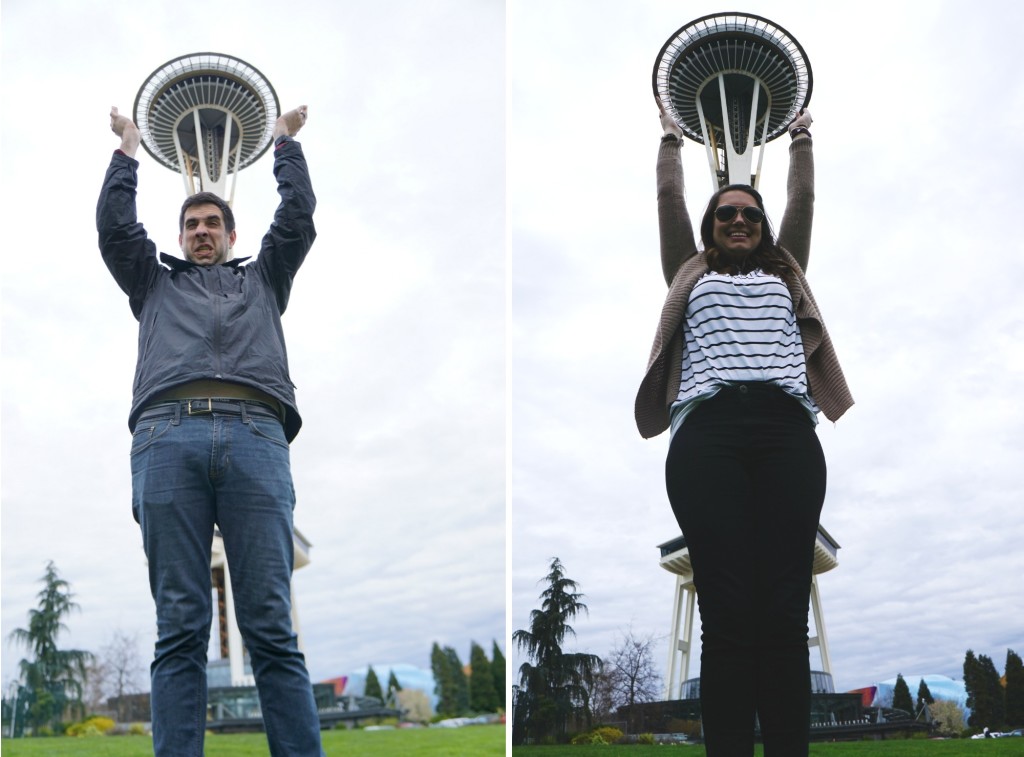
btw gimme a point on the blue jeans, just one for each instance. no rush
(189, 474)
(746, 478)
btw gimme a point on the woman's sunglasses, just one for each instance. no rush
(725, 213)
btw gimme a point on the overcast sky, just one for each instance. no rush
(914, 261)
(395, 326)
(415, 305)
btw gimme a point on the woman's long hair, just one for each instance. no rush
(767, 255)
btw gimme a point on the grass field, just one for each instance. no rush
(484, 741)
(470, 741)
(1010, 747)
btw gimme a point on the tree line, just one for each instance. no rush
(559, 692)
(995, 702)
(56, 685)
(901, 699)
(482, 690)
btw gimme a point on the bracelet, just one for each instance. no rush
(799, 130)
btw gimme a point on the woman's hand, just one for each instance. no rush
(668, 124)
(801, 125)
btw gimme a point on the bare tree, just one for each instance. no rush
(415, 705)
(948, 716)
(630, 676)
(121, 668)
(603, 699)
(96, 684)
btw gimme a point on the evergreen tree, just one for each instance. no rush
(482, 696)
(53, 678)
(449, 681)
(924, 695)
(372, 688)
(498, 669)
(1014, 673)
(460, 681)
(994, 694)
(984, 692)
(393, 684)
(439, 670)
(554, 686)
(901, 696)
(972, 683)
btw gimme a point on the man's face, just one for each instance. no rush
(203, 238)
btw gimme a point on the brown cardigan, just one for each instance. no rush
(683, 265)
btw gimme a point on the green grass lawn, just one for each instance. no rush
(420, 742)
(1009, 747)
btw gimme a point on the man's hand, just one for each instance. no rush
(290, 123)
(126, 129)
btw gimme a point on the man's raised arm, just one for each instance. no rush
(292, 232)
(129, 254)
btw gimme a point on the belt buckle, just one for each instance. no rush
(200, 410)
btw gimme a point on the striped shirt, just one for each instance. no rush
(739, 329)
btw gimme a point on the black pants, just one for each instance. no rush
(746, 478)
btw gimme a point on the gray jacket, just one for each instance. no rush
(220, 322)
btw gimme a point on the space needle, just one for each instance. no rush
(207, 116)
(733, 82)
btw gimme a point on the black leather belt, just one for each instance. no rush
(209, 406)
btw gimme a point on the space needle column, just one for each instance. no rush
(733, 82)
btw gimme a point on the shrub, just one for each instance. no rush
(136, 729)
(94, 726)
(605, 734)
(609, 734)
(645, 738)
